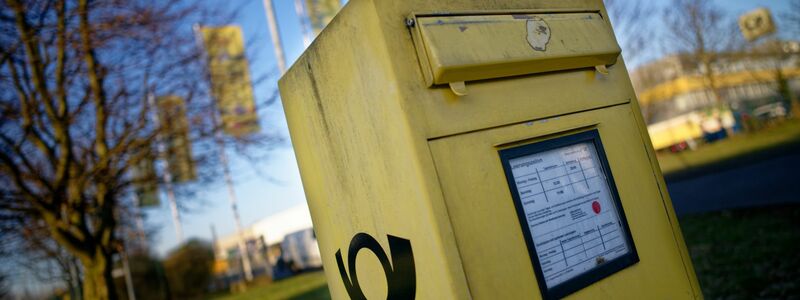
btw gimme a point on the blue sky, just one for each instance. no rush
(273, 184)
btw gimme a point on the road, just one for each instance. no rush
(765, 179)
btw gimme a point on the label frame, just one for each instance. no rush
(596, 274)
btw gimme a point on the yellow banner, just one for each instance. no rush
(230, 79)
(172, 112)
(321, 12)
(146, 183)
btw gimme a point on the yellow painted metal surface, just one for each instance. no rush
(384, 155)
(466, 48)
(479, 204)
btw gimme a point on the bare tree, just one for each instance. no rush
(73, 87)
(633, 26)
(792, 17)
(4, 290)
(702, 30)
(46, 260)
(632, 21)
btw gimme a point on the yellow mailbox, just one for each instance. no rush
(480, 149)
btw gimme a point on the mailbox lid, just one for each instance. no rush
(507, 80)
(478, 47)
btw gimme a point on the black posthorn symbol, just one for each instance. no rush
(400, 271)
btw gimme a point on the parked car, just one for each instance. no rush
(770, 111)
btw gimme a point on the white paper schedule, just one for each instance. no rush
(569, 209)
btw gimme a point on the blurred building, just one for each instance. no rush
(674, 85)
(263, 243)
(675, 95)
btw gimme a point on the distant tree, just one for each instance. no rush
(147, 274)
(771, 53)
(633, 24)
(189, 269)
(4, 292)
(75, 77)
(702, 30)
(792, 17)
(45, 259)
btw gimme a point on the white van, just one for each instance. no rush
(300, 251)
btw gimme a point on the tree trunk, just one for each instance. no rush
(711, 82)
(97, 281)
(76, 284)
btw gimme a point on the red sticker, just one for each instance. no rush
(596, 207)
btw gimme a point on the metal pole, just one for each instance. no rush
(137, 210)
(173, 206)
(214, 238)
(223, 158)
(304, 26)
(162, 150)
(276, 38)
(126, 269)
(75, 275)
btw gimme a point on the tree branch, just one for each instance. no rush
(34, 57)
(28, 112)
(62, 127)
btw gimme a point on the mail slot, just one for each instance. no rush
(480, 150)
(475, 47)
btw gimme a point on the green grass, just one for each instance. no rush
(305, 286)
(746, 254)
(750, 253)
(741, 254)
(731, 148)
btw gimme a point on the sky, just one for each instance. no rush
(273, 184)
(262, 189)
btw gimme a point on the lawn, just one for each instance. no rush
(734, 148)
(750, 253)
(306, 286)
(746, 254)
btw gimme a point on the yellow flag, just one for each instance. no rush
(230, 79)
(321, 12)
(172, 112)
(146, 183)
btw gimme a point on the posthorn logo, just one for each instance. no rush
(400, 270)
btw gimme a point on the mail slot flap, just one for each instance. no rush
(476, 47)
